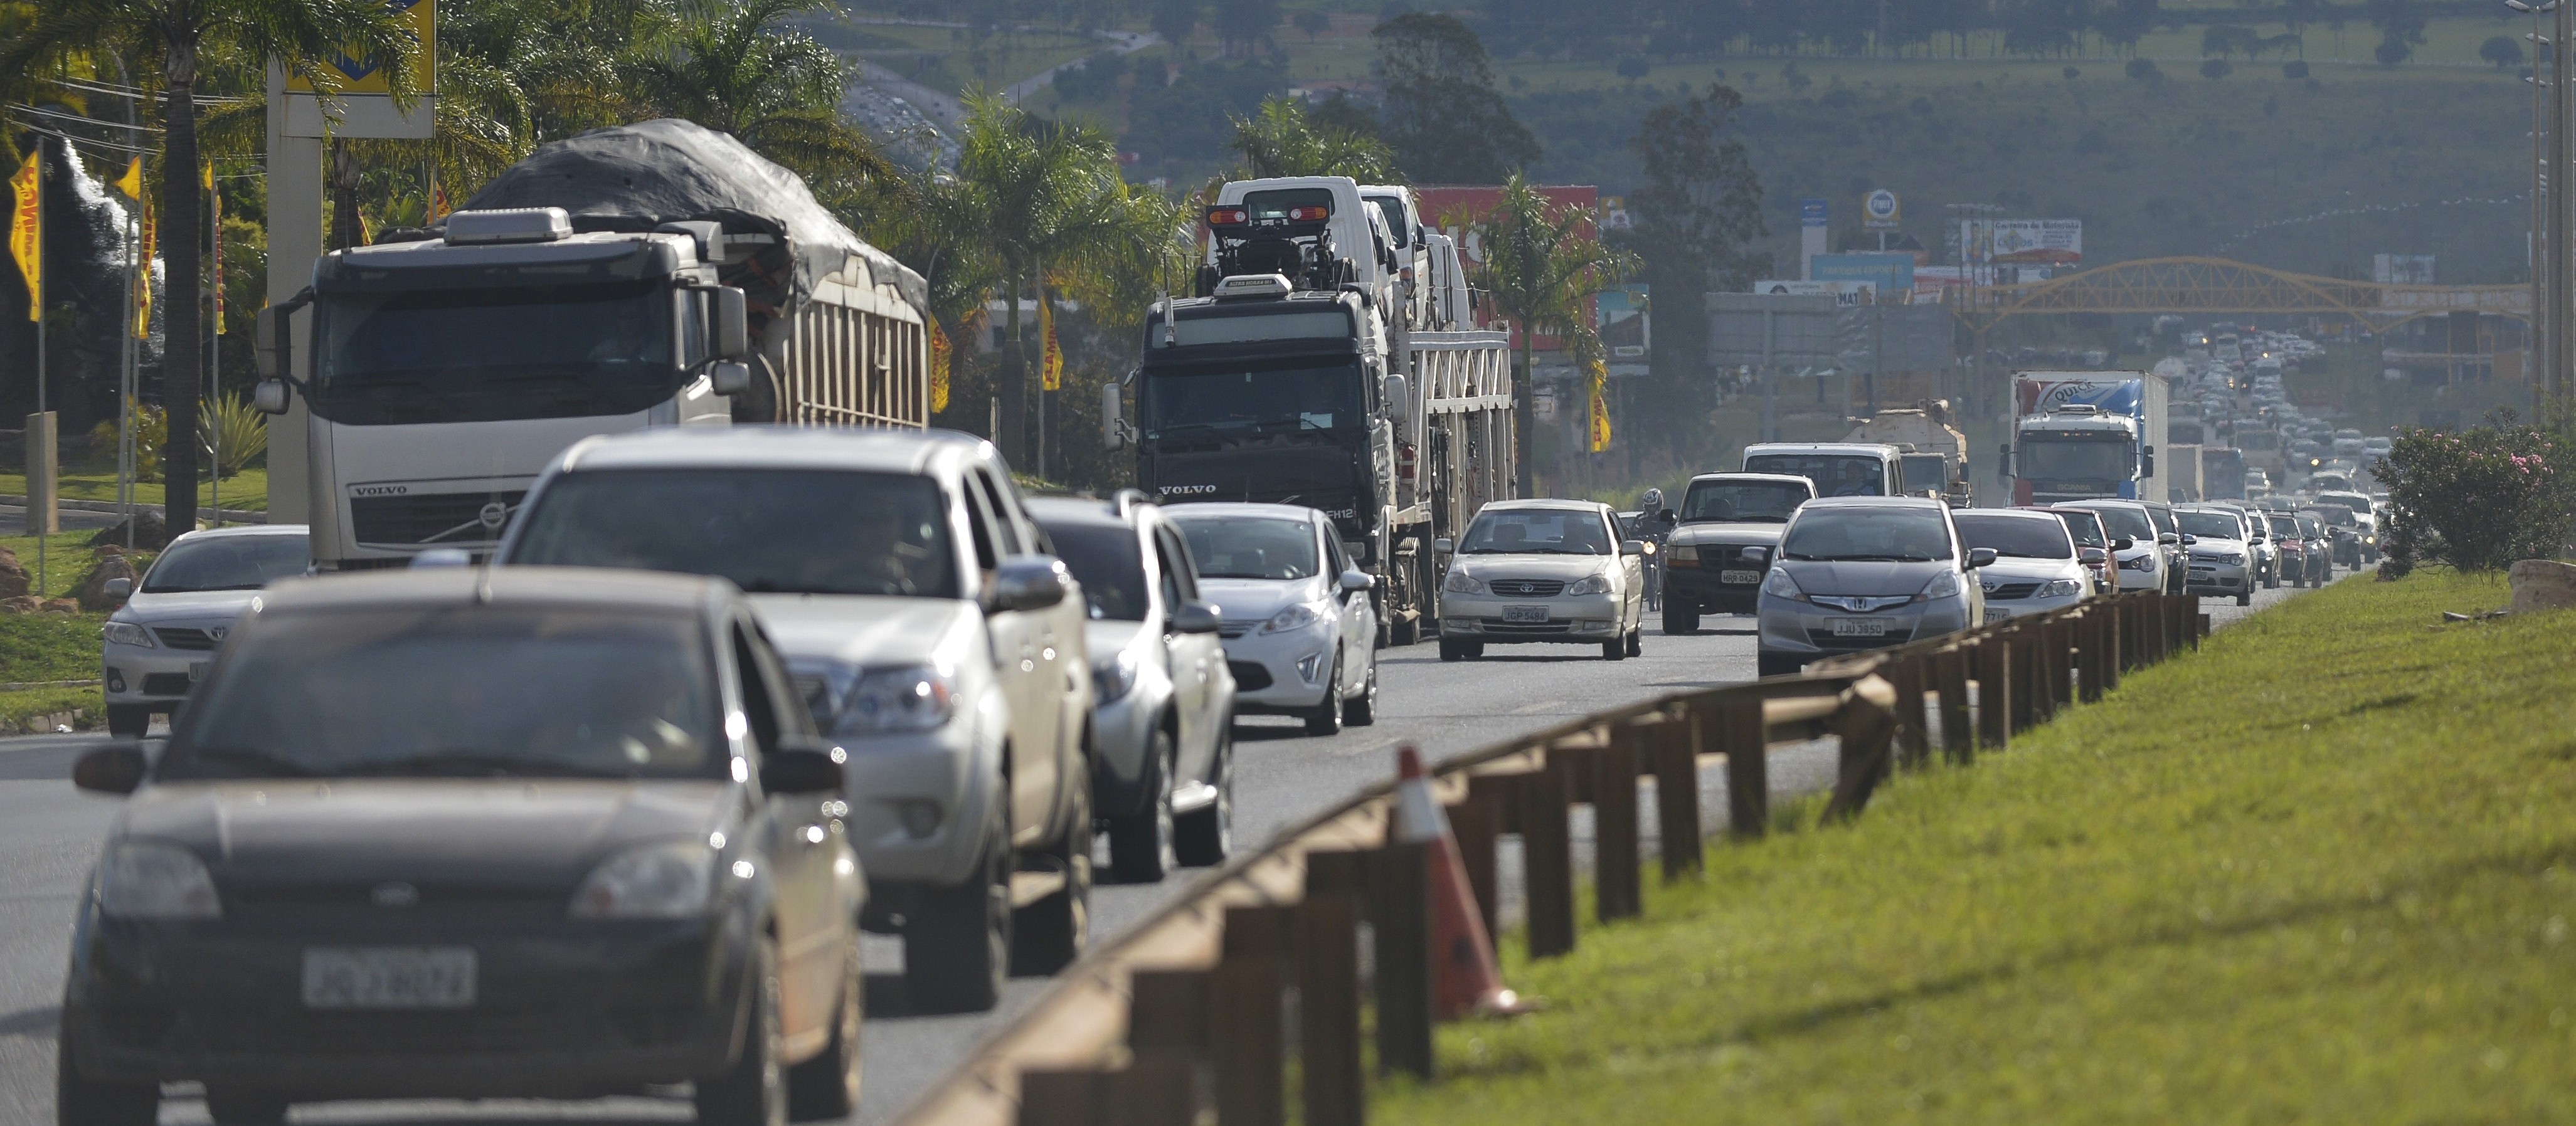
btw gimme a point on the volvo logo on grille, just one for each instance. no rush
(378, 490)
(1187, 490)
(494, 515)
(394, 895)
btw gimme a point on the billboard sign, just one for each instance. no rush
(2401, 269)
(1621, 316)
(1880, 211)
(1888, 272)
(1811, 213)
(2022, 242)
(1844, 293)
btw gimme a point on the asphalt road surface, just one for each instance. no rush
(49, 836)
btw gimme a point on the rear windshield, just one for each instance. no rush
(1749, 502)
(2020, 537)
(1909, 535)
(1104, 558)
(795, 531)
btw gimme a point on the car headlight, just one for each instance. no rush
(1114, 678)
(2146, 562)
(1681, 553)
(1943, 584)
(671, 880)
(879, 701)
(2061, 588)
(127, 633)
(1460, 582)
(148, 880)
(1778, 584)
(1589, 584)
(1299, 616)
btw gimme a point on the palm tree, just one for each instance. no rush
(724, 66)
(1043, 197)
(1282, 139)
(1543, 264)
(178, 34)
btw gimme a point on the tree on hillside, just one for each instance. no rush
(1244, 25)
(2126, 22)
(2401, 30)
(1174, 20)
(1282, 139)
(1542, 266)
(1696, 216)
(734, 68)
(1312, 22)
(1443, 116)
(2501, 50)
(181, 37)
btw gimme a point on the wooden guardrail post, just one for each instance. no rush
(1995, 703)
(1867, 725)
(1478, 825)
(1676, 769)
(2033, 708)
(1547, 858)
(2116, 647)
(1618, 863)
(1951, 671)
(2093, 657)
(2061, 666)
(1914, 744)
(1167, 1032)
(1747, 743)
(1328, 989)
(1250, 1059)
(1400, 919)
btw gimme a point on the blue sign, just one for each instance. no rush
(1889, 272)
(1811, 213)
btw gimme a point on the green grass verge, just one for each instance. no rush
(245, 491)
(68, 559)
(2324, 870)
(47, 647)
(19, 709)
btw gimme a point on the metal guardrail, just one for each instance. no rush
(1186, 1012)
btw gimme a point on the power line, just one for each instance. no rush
(116, 91)
(24, 108)
(68, 139)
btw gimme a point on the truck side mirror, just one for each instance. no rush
(271, 396)
(2003, 462)
(270, 329)
(728, 377)
(2151, 461)
(1113, 428)
(1443, 546)
(733, 324)
(1398, 398)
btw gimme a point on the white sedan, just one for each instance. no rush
(1546, 571)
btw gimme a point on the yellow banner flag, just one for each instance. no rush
(1600, 408)
(1051, 358)
(132, 182)
(25, 241)
(143, 275)
(206, 177)
(438, 207)
(940, 354)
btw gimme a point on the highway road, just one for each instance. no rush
(49, 835)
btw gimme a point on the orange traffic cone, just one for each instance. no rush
(1469, 981)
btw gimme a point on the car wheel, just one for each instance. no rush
(82, 1101)
(2244, 598)
(1681, 616)
(1326, 718)
(1475, 650)
(1361, 711)
(1140, 844)
(1452, 650)
(827, 1086)
(1777, 664)
(1637, 642)
(753, 1092)
(1203, 837)
(234, 1106)
(957, 948)
(1049, 934)
(128, 721)
(1615, 650)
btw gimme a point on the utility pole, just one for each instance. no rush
(2535, 348)
(2562, 207)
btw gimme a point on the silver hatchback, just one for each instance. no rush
(1856, 573)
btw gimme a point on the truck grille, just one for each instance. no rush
(1528, 588)
(433, 519)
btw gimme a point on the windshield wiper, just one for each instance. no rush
(1210, 427)
(448, 762)
(276, 765)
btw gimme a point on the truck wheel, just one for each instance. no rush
(1361, 710)
(1326, 718)
(1681, 615)
(1049, 934)
(957, 946)
(1204, 836)
(753, 1092)
(827, 1086)
(128, 721)
(1140, 844)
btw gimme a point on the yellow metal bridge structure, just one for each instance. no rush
(2222, 286)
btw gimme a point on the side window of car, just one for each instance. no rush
(759, 695)
(979, 522)
(1006, 531)
(1178, 568)
(1172, 573)
(794, 718)
(1333, 551)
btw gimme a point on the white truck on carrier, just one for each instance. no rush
(657, 274)
(1311, 369)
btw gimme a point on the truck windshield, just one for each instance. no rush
(1926, 473)
(2054, 457)
(1249, 399)
(1747, 502)
(1835, 475)
(791, 531)
(486, 355)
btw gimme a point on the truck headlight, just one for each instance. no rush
(1115, 677)
(1299, 616)
(127, 633)
(1460, 582)
(671, 880)
(882, 701)
(149, 880)
(1589, 584)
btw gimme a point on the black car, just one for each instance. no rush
(525, 832)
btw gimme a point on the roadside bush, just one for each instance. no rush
(2145, 70)
(2478, 499)
(2294, 69)
(2216, 69)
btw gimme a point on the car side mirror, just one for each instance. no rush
(1398, 398)
(2123, 543)
(117, 588)
(2168, 539)
(114, 769)
(1195, 617)
(1443, 546)
(1980, 557)
(271, 396)
(2188, 539)
(1358, 580)
(803, 766)
(1029, 582)
(733, 324)
(1632, 547)
(729, 377)
(2093, 557)
(1666, 515)
(1755, 555)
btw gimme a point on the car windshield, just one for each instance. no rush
(1538, 531)
(2086, 528)
(1250, 547)
(1747, 502)
(1835, 475)
(2212, 525)
(2354, 501)
(793, 531)
(483, 355)
(1105, 559)
(228, 563)
(2021, 537)
(2335, 514)
(457, 691)
(2284, 526)
(2129, 523)
(1910, 535)
(2070, 458)
(1926, 473)
(1250, 399)
(2163, 518)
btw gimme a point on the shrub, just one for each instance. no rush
(2295, 69)
(151, 427)
(2145, 70)
(2478, 499)
(1634, 66)
(243, 430)
(2216, 69)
